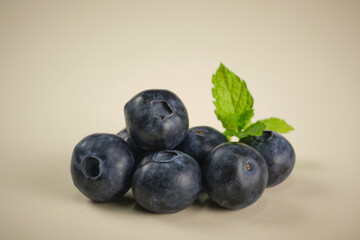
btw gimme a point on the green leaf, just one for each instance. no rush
(234, 107)
(244, 119)
(254, 129)
(277, 125)
(233, 101)
(229, 133)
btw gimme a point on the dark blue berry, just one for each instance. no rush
(235, 175)
(277, 152)
(137, 152)
(102, 166)
(156, 119)
(166, 181)
(200, 140)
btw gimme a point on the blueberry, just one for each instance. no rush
(235, 175)
(199, 141)
(156, 119)
(102, 166)
(167, 181)
(277, 152)
(137, 152)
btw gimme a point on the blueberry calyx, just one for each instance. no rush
(249, 167)
(91, 167)
(166, 156)
(161, 109)
(265, 136)
(200, 132)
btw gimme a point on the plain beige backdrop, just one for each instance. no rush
(68, 67)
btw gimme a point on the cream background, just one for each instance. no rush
(68, 67)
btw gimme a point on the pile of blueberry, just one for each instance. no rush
(166, 164)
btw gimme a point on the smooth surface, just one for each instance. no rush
(68, 67)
